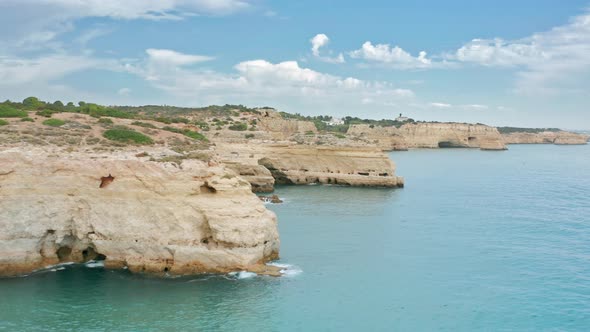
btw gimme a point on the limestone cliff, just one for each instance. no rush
(304, 164)
(546, 137)
(281, 128)
(152, 217)
(259, 176)
(432, 135)
(386, 138)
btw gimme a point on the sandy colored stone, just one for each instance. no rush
(305, 164)
(432, 135)
(546, 137)
(154, 217)
(259, 176)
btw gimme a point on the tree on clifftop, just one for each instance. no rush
(32, 103)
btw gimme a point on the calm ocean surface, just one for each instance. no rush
(486, 241)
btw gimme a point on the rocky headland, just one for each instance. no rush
(153, 217)
(431, 135)
(545, 137)
(267, 164)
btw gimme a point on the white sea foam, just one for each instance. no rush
(242, 275)
(59, 266)
(94, 264)
(287, 270)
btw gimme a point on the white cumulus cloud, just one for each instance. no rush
(124, 92)
(320, 40)
(394, 57)
(553, 61)
(170, 57)
(440, 105)
(35, 23)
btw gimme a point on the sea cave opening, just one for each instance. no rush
(449, 145)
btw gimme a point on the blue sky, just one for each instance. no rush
(521, 63)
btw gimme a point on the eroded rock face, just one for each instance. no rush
(306, 164)
(547, 137)
(153, 217)
(432, 135)
(329, 165)
(281, 128)
(259, 176)
(386, 138)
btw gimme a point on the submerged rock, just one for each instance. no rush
(271, 199)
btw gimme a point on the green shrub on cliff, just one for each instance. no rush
(508, 130)
(45, 113)
(54, 122)
(126, 135)
(143, 124)
(194, 135)
(7, 111)
(238, 126)
(186, 132)
(32, 103)
(105, 121)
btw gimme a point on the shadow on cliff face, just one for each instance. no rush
(451, 145)
(279, 176)
(207, 189)
(70, 249)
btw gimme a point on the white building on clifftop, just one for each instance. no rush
(335, 122)
(402, 118)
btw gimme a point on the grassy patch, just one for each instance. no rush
(105, 121)
(54, 122)
(163, 120)
(3, 122)
(187, 133)
(27, 119)
(509, 130)
(238, 126)
(194, 135)
(11, 112)
(249, 136)
(143, 124)
(45, 113)
(340, 136)
(126, 135)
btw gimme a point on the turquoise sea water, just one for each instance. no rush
(477, 241)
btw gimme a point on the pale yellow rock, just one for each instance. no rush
(154, 217)
(432, 135)
(259, 176)
(305, 164)
(546, 137)
(281, 128)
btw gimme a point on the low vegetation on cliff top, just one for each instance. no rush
(126, 135)
(322, 122)
(196, 116)
(508, 130)
(7, 111)
(54, 122)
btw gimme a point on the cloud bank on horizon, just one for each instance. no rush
(182, 52)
